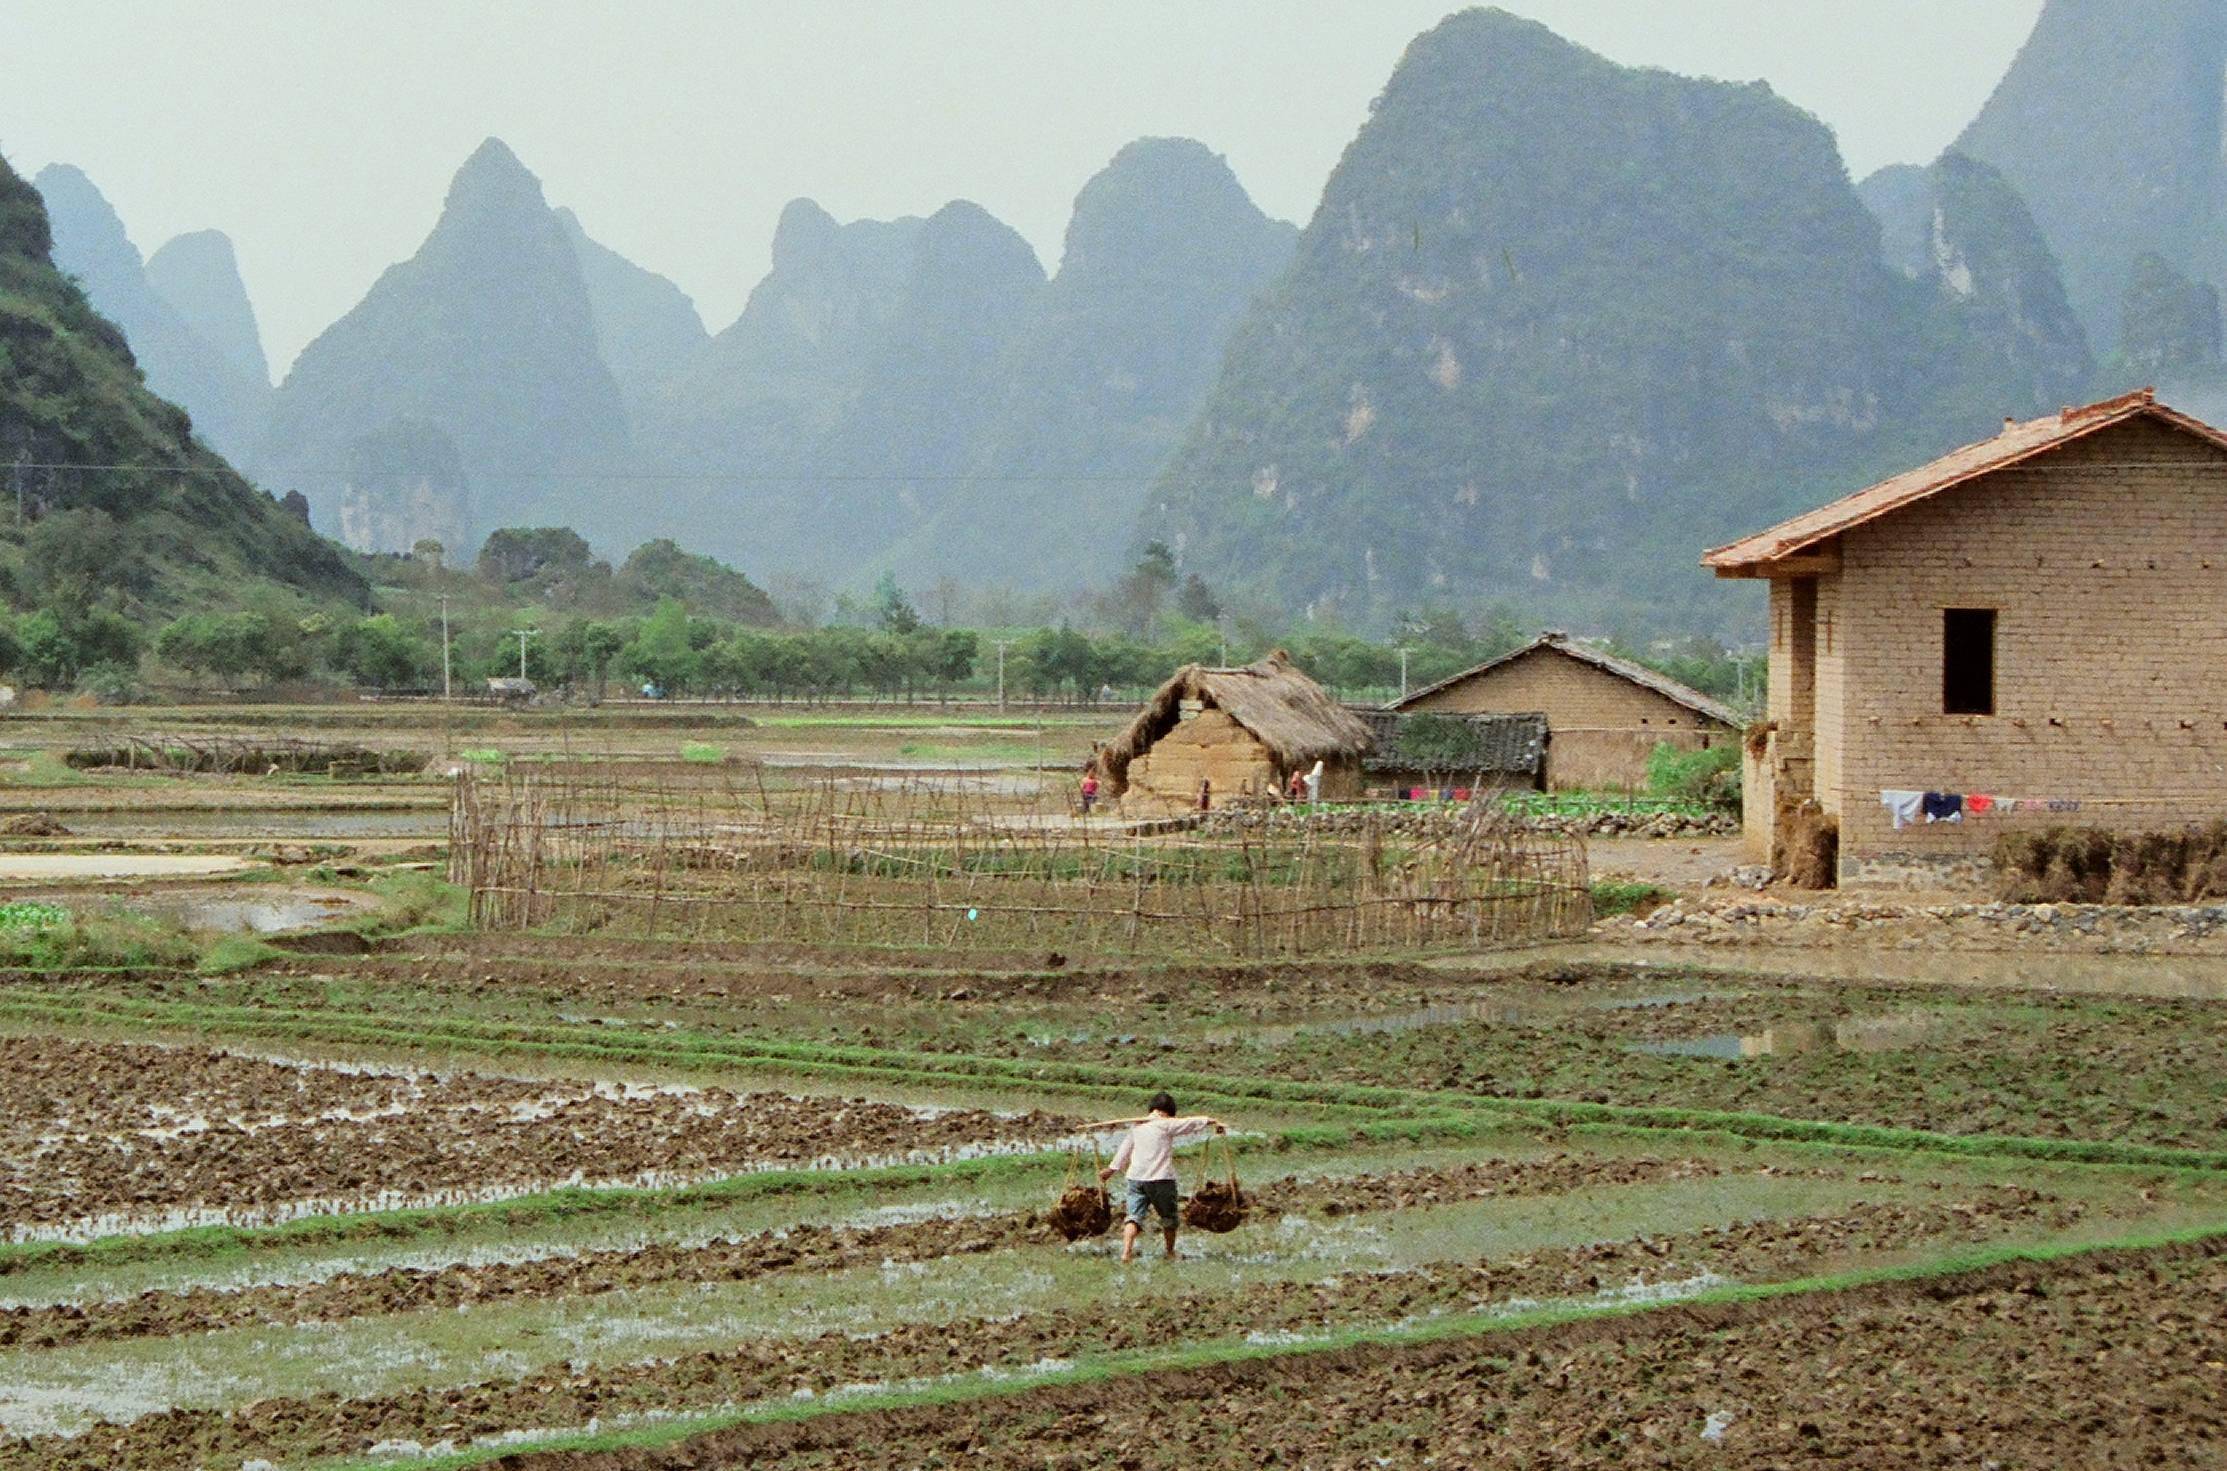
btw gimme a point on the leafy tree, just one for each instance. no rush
(59, 645)
(660, 651)
(380, 652)
(49, 656)
(75, 556)
(892, 611)
(1196, 601)
(1141, 590)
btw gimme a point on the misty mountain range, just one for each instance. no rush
(1555, 325)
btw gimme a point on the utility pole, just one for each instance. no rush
(18, 478)
(444, 648)
(1001, 643)
(1403, 671)
(1221, 626)
(522, 634)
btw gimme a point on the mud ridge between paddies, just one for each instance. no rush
(973, 1350)
(2104, 1359)
(804, 1247)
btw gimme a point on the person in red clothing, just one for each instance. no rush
(1089, 789)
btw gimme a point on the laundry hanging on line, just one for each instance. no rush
(1909, 807)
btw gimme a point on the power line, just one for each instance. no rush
(709, 476)
(741, 477)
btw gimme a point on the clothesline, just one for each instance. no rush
(1908, 807)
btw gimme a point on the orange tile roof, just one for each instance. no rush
(1752, 555)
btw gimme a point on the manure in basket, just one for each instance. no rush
(1083, 1211)
(1217, 1206)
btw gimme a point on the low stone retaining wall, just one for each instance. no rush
(1855, 920)
(1438, 819)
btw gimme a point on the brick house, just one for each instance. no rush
(1604, 715)
(2037, 621)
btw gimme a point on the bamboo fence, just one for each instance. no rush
(935, 863)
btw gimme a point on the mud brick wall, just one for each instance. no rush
(1600, 727)
(2107, 564)
(1211, 746)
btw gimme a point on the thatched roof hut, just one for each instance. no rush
(1246, 729)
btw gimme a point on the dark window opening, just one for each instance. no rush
(1968, 661)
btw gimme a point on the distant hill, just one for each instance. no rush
(1961, 229)
(226, 392)
(487, 335)
(830, 418)
(199, 276)
(646, 326)
(1164, 251)
(175, 528)
(1558, 325)
(2109, 124)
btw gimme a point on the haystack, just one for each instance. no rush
(1244, 731)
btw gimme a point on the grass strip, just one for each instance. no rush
(693, 1051)
(1484, 1326)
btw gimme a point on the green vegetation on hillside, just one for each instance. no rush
(1558, 326)
(145, 521)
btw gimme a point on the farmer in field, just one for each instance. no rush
(1148, 1154)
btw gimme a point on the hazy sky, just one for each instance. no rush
(320, 134)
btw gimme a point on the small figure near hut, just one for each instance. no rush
(1148, 1154)
(1089, 788)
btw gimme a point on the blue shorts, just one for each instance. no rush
(1156, 1195)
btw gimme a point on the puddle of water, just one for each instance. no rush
(262, 914)
(87, 866)
(1860, 1034)
(291, 826)
(1501, 1011)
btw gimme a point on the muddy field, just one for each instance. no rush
(2108, 1363)
(394, 1195)
(1965, 1059)
(571, 1394)
(108, 1133)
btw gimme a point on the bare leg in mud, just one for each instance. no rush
(1130, 1231)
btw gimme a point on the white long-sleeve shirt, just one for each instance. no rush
(1149, 1150)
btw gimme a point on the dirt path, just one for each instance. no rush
(1675, 863)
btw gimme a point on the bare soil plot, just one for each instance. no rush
(2096, 1362)
(107, 1132)
(576, 1392)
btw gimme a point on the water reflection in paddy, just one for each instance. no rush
(1855, 1034)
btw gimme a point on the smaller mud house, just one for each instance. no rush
(1244, 731)
(1604, 715)
(2028, 631)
